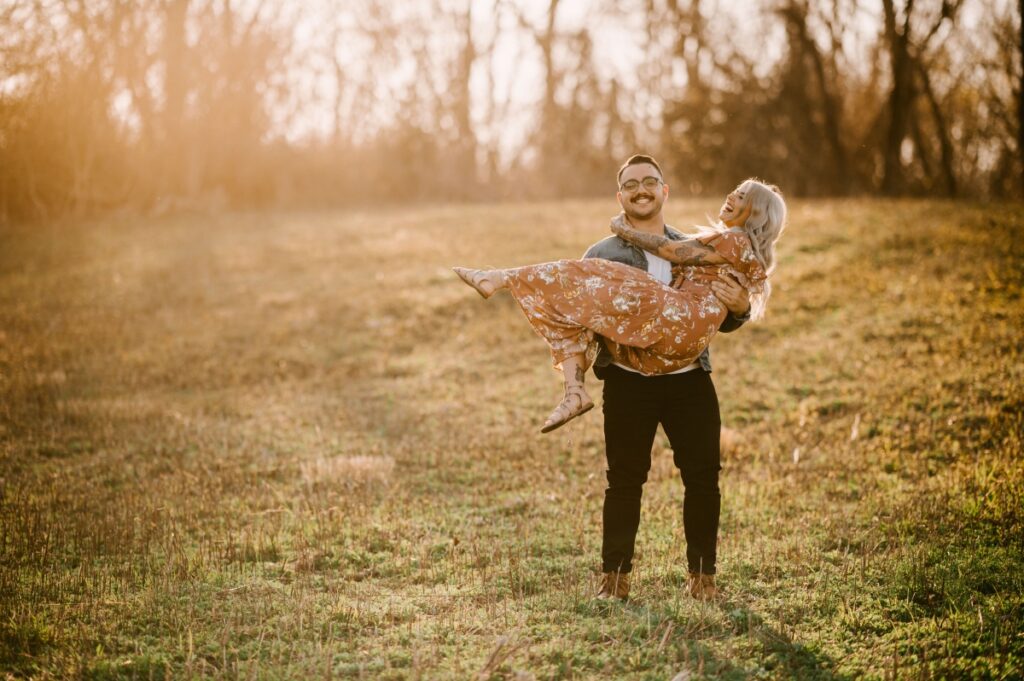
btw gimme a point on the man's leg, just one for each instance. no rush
(630, 423)
(693, 424)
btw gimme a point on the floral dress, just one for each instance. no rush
(647, 325)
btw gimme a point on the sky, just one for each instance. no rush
(517, 71)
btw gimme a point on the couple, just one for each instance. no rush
(654, 298)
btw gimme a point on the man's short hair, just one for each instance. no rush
(637, 159)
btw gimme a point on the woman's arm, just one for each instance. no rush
(684, 252)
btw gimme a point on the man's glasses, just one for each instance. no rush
(650, 183)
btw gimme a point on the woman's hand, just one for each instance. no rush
(735, 298)
(620, 226)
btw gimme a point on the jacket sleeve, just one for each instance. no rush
(732, 322)
(599, 250)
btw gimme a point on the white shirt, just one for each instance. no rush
(660, 269)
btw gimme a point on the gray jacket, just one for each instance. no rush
(620, 250)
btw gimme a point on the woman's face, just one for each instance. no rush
(736, 208)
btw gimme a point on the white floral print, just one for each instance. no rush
(649, 326)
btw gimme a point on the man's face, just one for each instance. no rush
(646, 200)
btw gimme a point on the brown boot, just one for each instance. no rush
(614, 585)
(702, 587)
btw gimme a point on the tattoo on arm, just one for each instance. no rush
(693, 252)
(648, 242)
(686, 252)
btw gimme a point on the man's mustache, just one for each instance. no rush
(642, 196)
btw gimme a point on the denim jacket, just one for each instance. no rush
(620, 250)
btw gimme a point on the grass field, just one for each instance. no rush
(294, 445)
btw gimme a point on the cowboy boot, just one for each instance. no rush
(614, 585)
(702, 587)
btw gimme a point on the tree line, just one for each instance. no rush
(164, 104)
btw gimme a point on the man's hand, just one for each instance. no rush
(735, 298)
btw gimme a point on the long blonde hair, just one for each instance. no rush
(763, 227)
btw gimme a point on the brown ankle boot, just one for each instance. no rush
(702, 587)
(614, 585)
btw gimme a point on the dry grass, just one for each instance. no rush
(294, 445)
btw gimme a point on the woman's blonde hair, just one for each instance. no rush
(763, 227)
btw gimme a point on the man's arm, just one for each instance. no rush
(735, 298)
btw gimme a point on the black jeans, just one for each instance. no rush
(686, 406)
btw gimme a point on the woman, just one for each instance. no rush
(651, 327)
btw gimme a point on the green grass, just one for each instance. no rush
(294, 445)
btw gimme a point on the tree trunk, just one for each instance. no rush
(899, 99)
(175, 91)
(796, 15)
(1020, 100)
(550, 138)
(941, 130)
(465, 151)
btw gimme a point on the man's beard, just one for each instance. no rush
(642, 211)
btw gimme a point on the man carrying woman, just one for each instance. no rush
(651, 331)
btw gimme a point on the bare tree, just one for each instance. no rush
(459, 103)
(905, 54)
(175, 54)
(108, 102)
(821, 106)
(547, 135)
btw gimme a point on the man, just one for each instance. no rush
(684, 403)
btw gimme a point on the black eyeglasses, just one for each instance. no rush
(650, 183)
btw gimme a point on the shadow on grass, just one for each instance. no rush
(781, 654)
(778, 654)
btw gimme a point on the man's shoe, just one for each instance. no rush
(702, 587)
(614, 585)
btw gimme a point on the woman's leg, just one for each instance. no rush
(568, 301)
(657, 329)
(576, 401)
(486, 282)
(568, 347)
(548, 306)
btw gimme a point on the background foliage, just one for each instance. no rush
(163, 104)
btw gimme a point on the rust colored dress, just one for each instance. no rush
(650, 326)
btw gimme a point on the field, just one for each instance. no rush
(294, 445)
